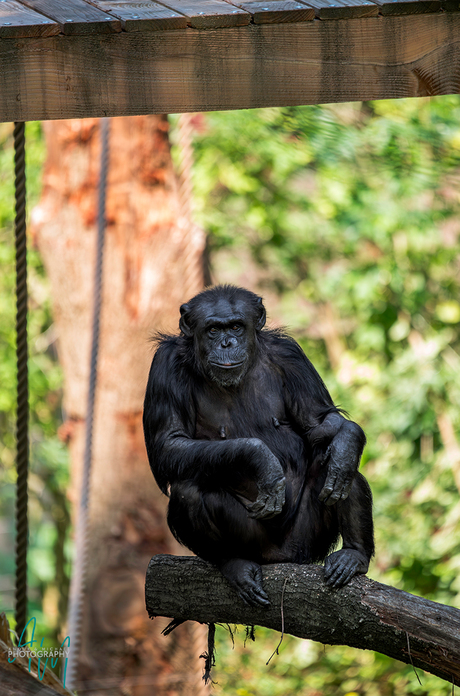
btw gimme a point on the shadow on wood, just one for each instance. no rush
(365, 614)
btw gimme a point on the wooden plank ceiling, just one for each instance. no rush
(76, 58)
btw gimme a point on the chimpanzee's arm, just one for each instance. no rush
(314, 412)
(343, 454)
(174, 455)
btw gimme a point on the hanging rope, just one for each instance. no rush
(200, 638)
(193, 282)
(77, 589)
(22, 413)
(194, 237)
(185, 165)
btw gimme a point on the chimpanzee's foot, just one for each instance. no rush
(246, 578)
(341, 566)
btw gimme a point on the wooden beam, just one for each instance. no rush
(400, 7)
(138, 16)
(17, 21)
(276, 11)
(250, 66)
(207, 14)
(344, 9)
(76, 16)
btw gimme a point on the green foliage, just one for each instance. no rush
(311, 669)
(48, 509)
(351, 214)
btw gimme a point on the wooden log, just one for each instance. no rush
(364, 614)
(21, 677)
(310, 62)
(16, 682)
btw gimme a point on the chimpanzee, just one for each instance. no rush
(242, 434)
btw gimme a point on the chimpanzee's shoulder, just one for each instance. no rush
(170, 349)
(278, 343)
(170, 364)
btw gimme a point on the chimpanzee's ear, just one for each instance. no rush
(260, 323)
(183, 321)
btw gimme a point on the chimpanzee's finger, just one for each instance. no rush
(328, 493)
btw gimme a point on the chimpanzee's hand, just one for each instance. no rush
(342, 460)
(269, 478)
(341, 566)
(268, 503)
(246, 578)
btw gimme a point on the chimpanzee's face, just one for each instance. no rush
(221, 326)
(225, 341)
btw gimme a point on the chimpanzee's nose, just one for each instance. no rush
(228, 341)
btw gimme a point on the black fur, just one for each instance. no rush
(242, 434)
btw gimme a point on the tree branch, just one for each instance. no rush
(364, 614)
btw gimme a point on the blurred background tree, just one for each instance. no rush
(347, 219)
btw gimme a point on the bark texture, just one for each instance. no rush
(152, 263)
(364, 614)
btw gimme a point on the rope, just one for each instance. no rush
(185, 165)
(210, 656)
(194, 237)
(199, 639)
(193, 281)
(22, 413)
(77, 590)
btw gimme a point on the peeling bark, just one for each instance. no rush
(364, 614)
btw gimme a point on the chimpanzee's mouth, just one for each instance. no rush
(227, 365)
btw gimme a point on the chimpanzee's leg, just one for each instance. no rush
(314, 528)
(216, 527)
(355, 525)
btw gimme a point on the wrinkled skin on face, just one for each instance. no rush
(224, 336)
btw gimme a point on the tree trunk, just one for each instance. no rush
(364, 614)
(152, 263)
